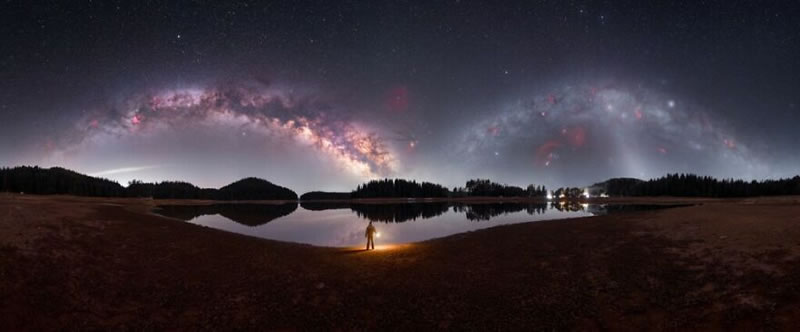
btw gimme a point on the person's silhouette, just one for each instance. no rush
(370, 234)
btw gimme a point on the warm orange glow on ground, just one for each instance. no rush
(380, 247)
(387, 246)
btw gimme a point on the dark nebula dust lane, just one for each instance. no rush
(323, 96)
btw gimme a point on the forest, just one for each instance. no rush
(399, 188)
(56, 180)
(690, 185)
(60, 181)
(487, 188)
(390, 188)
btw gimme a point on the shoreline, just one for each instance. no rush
(83, 263)
(477, 200)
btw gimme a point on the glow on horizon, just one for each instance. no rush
(123, 170)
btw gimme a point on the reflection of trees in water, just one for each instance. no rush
(568, 206)
(538, 208)
(478, 212)
(245, 214)
(597, 209)
(411, 211)
(322, 206)
(400, 212)
(603, 209)
(259, 214)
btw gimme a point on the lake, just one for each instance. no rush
(335, 224)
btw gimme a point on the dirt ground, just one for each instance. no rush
(69, 263)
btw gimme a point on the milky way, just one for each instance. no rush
(601, 126)
(611, 127)
(326, 95)
(269, 111)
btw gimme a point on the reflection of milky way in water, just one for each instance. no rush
(343, 224)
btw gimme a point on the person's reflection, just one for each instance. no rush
(370, 234)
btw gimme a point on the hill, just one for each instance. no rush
(60, 181)
(254, 189)
(56, 180)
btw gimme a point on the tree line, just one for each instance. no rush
(691, 185)
(57, 180)
(487, 188)
(398, 188)
(568, 192)
(60, 181)
(242, 190)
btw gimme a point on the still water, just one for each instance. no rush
(343, 224)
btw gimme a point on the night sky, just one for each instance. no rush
(328, 94)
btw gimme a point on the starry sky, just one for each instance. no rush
(323, 95)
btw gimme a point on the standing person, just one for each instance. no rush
(370, 234)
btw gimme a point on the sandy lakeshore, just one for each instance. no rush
(82, 263)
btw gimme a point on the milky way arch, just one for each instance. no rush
(635, 131)
(585, 131)
(269, 110)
